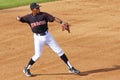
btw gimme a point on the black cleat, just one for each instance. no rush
(73, 70)
(27, 72)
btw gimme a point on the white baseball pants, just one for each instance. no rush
(40, 41)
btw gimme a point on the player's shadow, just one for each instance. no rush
(84, 73)
(53, 74)
(115, 67)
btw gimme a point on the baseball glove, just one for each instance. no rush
(65, 26)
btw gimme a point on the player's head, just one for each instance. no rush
(35, 7)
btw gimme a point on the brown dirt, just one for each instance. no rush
(93, 45)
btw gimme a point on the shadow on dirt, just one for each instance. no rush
(115, 67)
(84, 73)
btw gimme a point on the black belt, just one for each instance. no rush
(42, 34)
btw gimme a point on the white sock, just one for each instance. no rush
(28, 67)
(68, 63)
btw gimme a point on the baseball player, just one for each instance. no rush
(38, 22)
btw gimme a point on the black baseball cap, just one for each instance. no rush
(34, 5)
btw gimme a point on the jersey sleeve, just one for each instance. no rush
(24, 19)
(49, 17)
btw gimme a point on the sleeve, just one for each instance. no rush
(49, 17)
(24, 19)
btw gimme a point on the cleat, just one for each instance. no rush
(27, 72)
(73, 70)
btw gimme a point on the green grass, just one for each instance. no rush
(15, 3)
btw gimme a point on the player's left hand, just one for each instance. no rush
(66, 26)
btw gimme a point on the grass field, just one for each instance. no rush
(15, 3)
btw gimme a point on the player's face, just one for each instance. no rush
(36, 10)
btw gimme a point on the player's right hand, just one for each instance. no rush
(18, 18)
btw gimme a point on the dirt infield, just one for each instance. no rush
(93, 45)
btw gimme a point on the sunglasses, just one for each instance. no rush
(37, 8)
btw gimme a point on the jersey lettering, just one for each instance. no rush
(38, 23)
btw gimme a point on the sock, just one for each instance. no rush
(31, 62)
(65, 59)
